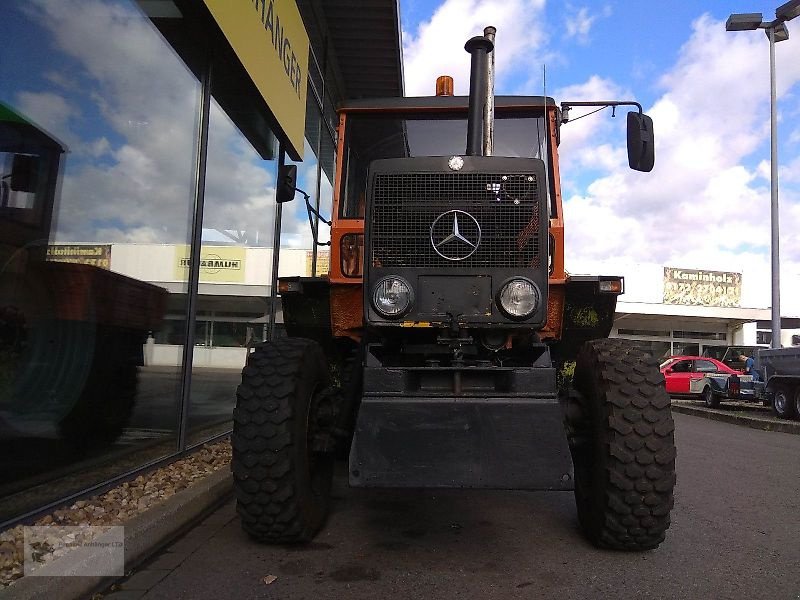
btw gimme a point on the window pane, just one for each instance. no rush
(705, 366)
(373, 137)
(660, 350)
(644, 332)
(236, 258)
(97, 135)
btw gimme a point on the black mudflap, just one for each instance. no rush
(501, 443)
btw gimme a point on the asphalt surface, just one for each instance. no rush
(735, 534)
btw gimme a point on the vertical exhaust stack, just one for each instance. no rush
(488, 117)
(479, 47)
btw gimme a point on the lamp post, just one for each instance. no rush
(776, 32)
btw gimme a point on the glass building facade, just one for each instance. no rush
(138, 228)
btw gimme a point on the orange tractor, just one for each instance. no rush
(439, 351)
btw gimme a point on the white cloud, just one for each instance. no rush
(579, 23)
(52, 112)
(432, 49)
(701, 206)
(126, 110)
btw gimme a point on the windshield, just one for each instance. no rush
(374, 136)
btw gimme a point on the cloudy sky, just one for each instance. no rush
(128, 132)
(707, 202)
(705, 205)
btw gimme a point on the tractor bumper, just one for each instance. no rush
(460, 442)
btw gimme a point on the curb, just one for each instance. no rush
(145, 534)
(737, 419)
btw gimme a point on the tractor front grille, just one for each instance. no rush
(506, 206)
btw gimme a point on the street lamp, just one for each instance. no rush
(776, 32)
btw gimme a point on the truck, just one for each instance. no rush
(780, 369)
(71, 334)
(448, 347)
(731, 355)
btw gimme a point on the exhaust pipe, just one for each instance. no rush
(488, 117)
(479, 47)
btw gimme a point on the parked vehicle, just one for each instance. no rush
(705, 378)
(780, 368)
(434, 348)
(730, 355)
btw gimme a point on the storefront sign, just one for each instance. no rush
(96, 255)
(271, 41)
(218, 264)
(323, 262)
(702, 288)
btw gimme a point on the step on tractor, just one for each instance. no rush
(448, 347)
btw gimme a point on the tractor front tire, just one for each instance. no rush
(282, 483)
(621, 436)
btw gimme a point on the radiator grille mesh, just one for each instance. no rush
(406, 205)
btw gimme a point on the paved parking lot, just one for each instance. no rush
(734, 535)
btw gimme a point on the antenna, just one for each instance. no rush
(546, 142)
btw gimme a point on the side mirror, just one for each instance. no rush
(24, 173)
(641, 143)
(287, 183)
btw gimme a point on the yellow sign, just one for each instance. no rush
(702, 288)
(218, 264)
(84, 254)
(323, 262)
(271, 42)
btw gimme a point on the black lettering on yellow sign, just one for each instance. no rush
(272, 23)
(95, 255)
(214, 263)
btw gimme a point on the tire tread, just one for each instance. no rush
(626, 490)
(270, 505)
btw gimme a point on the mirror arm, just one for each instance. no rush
(311, 210)
(565, 106)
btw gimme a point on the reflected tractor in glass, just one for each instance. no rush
(71, 330)
(448, 347)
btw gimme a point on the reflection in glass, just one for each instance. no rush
(232, 303)
(97, 132)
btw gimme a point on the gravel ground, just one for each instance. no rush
(118, 505)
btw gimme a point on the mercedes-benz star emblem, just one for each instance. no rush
(455, 163)
(455, 235)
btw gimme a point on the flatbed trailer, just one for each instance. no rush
(780, 369)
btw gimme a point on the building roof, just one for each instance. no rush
(365, 35)
(708, 314)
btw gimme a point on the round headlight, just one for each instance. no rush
(519, 298)
(392, 297)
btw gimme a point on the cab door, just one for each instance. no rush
(678, 375)
(702, 368)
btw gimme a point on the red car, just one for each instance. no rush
(699, 376)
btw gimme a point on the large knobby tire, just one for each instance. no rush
(623, 448)
(783, 403)
(105, 406)
(282, 486)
